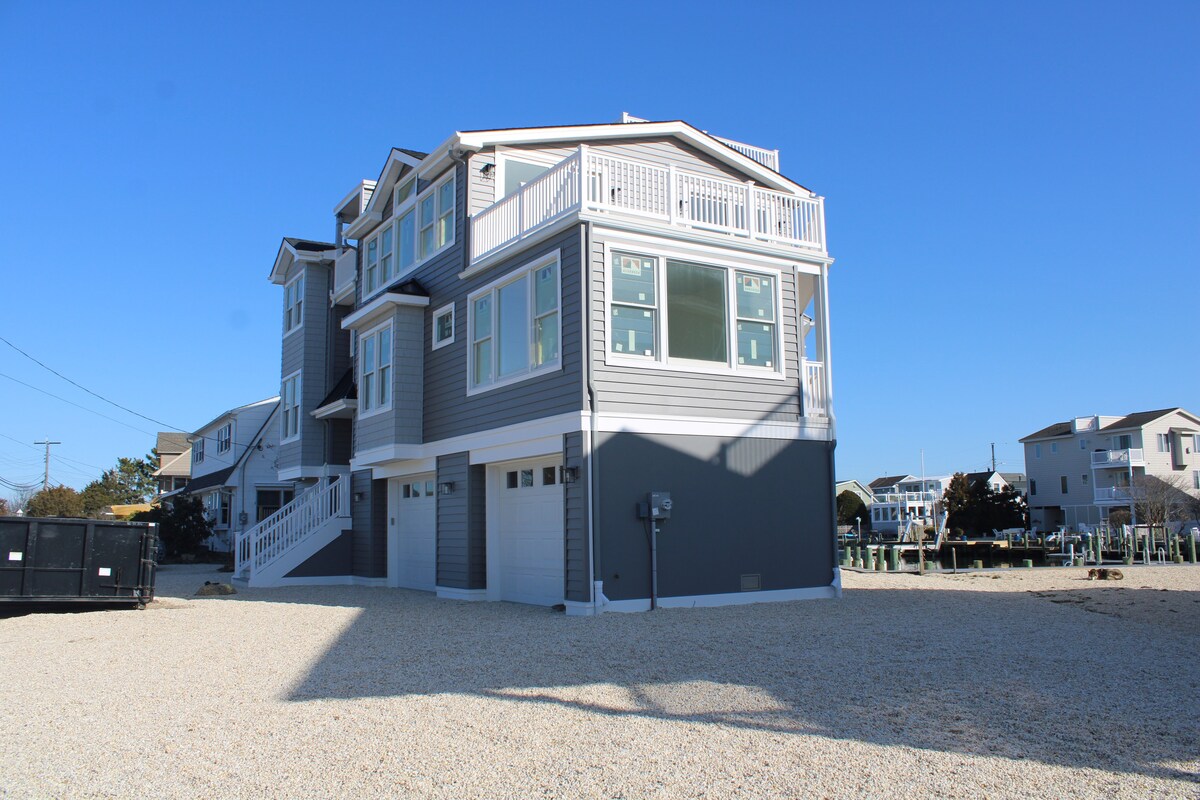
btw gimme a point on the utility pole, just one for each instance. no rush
(993, 456)
(46, 479)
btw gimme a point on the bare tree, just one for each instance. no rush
(1162, 501)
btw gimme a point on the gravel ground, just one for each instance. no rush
(1020, 683)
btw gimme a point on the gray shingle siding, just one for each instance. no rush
(369, 525)
(461, 520)
(449, 411)
(402, 423)
(578, 556)
(783, 536)
(307, 350)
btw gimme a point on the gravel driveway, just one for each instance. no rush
(1000, 684)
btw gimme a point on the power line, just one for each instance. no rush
(70, 403)
(59, 457)
(89, 391)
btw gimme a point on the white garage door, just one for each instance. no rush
(531, 532)
(412, 532)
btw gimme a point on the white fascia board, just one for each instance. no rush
(367, 314)
(299, 473)
(365, 222)
(280, 268)
(334, 408)
(403, 469)
(391, 170)
(477, 140)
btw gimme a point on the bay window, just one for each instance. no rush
(375, 370)
(420, 226)
(671, 311)
(515, 326)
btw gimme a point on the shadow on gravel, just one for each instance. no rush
(1019, 676)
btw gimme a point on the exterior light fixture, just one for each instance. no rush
(568, 474)
(446, 488)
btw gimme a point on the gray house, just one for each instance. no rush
(514, 339)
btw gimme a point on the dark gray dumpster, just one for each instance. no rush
(76, 561)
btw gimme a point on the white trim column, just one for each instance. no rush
(821, 308)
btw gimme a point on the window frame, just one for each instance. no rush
(492, 290)
(198, 450)
(225, 437)
(293, 298)
(284, 409)
(437, 344)
(502, 157)
(372, 336)
(732, 268)
(411, 206)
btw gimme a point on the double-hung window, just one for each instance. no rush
(436, 209)
(514, 325)
(375, 370)
(293, 304)
(1164, 442)
(225, 438)
(198, 450)
(406, 225)
(371, 267)
(695, 315)
(289, 399)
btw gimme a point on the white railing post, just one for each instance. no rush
(751, 211)
(585, 178)
(672, 190)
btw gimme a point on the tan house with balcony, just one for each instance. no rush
(1080, 470)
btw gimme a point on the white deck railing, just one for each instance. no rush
(1115, 494)
(814, 389)
(287, 527)
(596, 182)
(768, 158)
(904, 497)
(1119, 458)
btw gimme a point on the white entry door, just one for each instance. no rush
(412, 532)
(529, 540)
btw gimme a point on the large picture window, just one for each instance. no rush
(515, 326)
(678, 312)
(375, 370)
(289, 399)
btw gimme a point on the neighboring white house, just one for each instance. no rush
(1081, 469)
(233, 470)
(902, 498)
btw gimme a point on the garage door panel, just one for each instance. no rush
(531, 533)
(415, 533)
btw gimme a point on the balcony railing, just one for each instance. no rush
(768, 158)
(1115, 494)
(815, 397)
(904, 497)
(595, 182)
(1119, 458)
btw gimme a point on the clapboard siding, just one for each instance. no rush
(633, 389)
(402, 423)
(452, 530)
(368, 512)
(449, 411)
(578, 556)
(307, 350)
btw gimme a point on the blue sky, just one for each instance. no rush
(1013, 191)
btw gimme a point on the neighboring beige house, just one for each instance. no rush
(863, 492)
(174, 462)
(1080, 470)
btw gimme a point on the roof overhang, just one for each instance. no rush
(477, 140)
(289, 255)
(385, 302)
(372, 213)
(338, 409)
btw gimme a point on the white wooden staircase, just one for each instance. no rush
(266, 553)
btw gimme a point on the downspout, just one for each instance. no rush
(598, 600)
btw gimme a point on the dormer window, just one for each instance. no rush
(293, 304)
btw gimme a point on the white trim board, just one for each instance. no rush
(451, 593)
(524, 438)
(731, 599)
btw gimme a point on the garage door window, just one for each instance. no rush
(416, 489)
